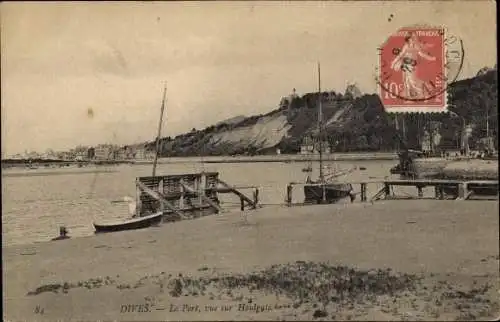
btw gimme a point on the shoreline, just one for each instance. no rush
(209, 159)
(97, 275)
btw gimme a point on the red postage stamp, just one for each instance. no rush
(412, 75)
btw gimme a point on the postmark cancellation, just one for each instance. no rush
(416, 65)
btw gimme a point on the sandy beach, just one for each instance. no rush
(397, 260)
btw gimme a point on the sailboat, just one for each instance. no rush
(325, 189)
(143, 221)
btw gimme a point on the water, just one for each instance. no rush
(36, 202)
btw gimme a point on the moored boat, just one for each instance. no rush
(307, 169)
(333, 192)
(325, 190)
(134, 223)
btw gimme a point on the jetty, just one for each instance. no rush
(443, 189)
(193, 195)
(187, 196)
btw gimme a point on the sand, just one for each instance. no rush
(448, 248)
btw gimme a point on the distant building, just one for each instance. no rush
(104, 152)
(149, 154)
(50, 154)
(284, 103)
(66, 155)
(308, 146)
(81, 155)
(120, 153)
(353, 91)
(91, 153)
(140, 153)
(325, 148)
(466, 135)
(126, 152)
(426, 142)
(487, 143)
(143, 153)
(31, 155)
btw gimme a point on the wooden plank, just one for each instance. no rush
(158, 197)
(205, 198)
(483, 182)
(469, 194)
(379, 194)
(239, 194)
(390, 182)
(230, 189)
(179, 176)
(363, 192)
(409, 182)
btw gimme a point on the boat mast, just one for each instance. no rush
(404, 128)
(320, 128)
(487, 124)
(159, 129)
(396, 126)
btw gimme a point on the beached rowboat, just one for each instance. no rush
(135, 223)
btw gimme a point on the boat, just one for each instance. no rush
(328, 192)
(325, 190)
(307, 169)
(130, 224)
(145, 220)
(30, 166)
(415, 164)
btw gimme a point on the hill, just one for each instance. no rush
(354, 122)
(232, 120)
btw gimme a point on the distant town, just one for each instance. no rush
(101, 152)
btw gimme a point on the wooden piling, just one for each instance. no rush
(387, 189)
(236, 192)
(137, 198)
(203, 197)
(289, 189)
(156, 195)
(462, 191)
(160, 190)
(363, 192)
(255, 197)
(242, 204)
(439, 192)
(420, 191)
(183, 194)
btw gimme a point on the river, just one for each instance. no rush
(36, 202)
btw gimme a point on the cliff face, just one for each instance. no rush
(266, 133)
(353, 122)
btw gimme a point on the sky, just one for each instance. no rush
(219, 59)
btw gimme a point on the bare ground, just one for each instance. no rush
(393, 260)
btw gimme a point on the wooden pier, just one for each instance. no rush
(186, 196)
(443, 189)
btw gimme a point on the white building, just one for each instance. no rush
(104, 152)
(310, 147)
(81, 155)
(140, 153)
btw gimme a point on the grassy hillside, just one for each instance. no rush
(353, 124)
